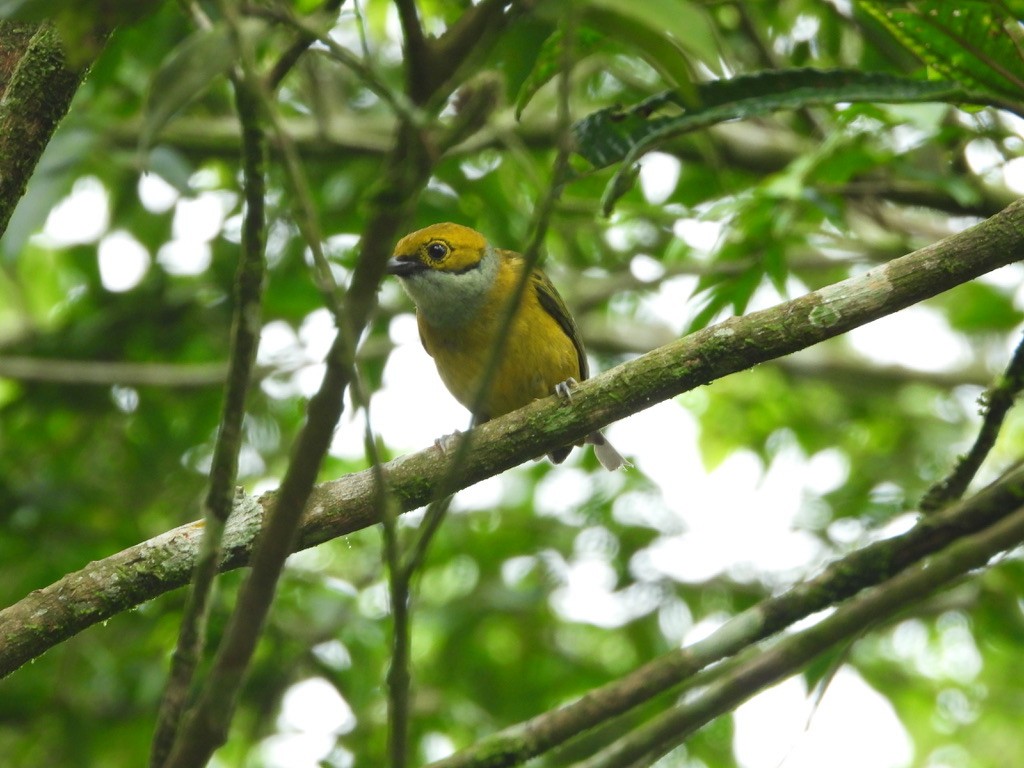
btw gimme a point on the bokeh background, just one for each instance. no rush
(546, 581)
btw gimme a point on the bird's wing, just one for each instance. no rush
(423, 336)
(555, 306)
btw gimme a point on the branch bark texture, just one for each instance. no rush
(105, 588)
(35, 100)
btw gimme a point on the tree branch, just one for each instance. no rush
(996, 402)
(740, 145)
(468, 35)
(246, 326)
(760, 668)
(842, 579)
(34, 102)
(417, 52)
(300, 45)
(106, 587)
(403, 177)
(14, 41)
(473, 107)
(106, 373)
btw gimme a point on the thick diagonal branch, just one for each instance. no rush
(107, 587)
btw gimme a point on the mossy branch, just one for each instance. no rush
(759, 668)
(36, 98)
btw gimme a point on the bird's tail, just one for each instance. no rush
(610, 458)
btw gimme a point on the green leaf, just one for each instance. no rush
(92, 11)
(981, 308)
(660, 51)
(729, 290)
(604, 22)
(81, 25)
(822, 670)
(518, 53)
(31, 10)
(613, 135)
(685, 22)
(978, 44)
(548, 60)
(185, 75)
(172, 167)
(662, 32)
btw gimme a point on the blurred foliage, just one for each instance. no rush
(735, 215)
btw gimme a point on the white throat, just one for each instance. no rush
(447, 299)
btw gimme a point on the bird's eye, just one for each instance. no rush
(437, 250)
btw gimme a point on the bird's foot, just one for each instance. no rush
(564, 389)
(446, 443)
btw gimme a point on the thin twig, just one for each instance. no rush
(106, 373)
(205, 727)
(401, 572)
(361, 28)
(417, 50)
(345, 341)
(531, 255)
(996, 403)
(399, 676)
(399, 102)
(305, 217)
(291, 55)
(307, 221)
(245, 335)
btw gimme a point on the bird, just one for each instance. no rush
(461, 285)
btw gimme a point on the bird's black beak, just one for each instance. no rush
(403, 266)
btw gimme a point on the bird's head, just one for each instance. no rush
(447, 269)
(442, 247)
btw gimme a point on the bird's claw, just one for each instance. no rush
(446, 443)
(564, 389)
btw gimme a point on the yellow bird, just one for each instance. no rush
(460, 285)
